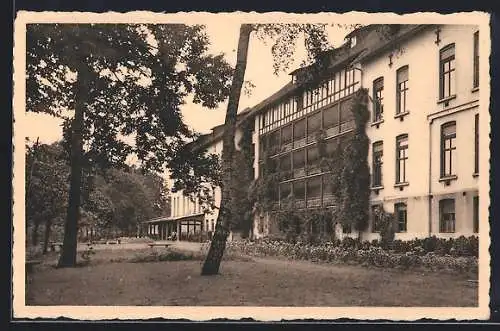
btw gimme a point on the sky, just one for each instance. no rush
(223, 35)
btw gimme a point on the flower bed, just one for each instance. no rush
(405, 256)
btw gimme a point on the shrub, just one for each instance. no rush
(404, 255)
(154, 256)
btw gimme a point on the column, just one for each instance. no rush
(178, 224)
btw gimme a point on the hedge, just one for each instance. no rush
(430, 253)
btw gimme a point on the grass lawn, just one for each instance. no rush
(255, 282)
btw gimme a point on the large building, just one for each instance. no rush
(423, 81)
(424, 138)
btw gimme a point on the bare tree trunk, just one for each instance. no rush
(36, 223)
(222, 228)
(46, 238)
(34, 233)
(68, 254)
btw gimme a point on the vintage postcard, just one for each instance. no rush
(269, 166)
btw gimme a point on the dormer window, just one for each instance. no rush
(352, 41)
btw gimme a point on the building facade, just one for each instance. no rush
(423, 81)
(424, 131)
(190, 219)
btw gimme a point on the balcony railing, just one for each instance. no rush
(300, 203)
(328, 200)
(287, 147)
(299, 172)
(299, 143)
(313, 169)
(314, 202)
(332, 131)
(347, 126)
(285, 174)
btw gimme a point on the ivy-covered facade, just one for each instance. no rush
(423, 171)
(371, 142)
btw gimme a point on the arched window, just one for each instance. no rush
(401, 158)
(447, 215)
(377, 153)
(447, 71)
(401, 216)
(402, 90)
(378, 99)
(448, 148)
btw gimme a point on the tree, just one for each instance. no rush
(285, 37)
(109, 81)
(355, 175)
(241, 202)
(47, 188)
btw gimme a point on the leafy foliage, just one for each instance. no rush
(348, 177)
(241, 202)
(116, 199)
(46, 185)
(355, 178)
(137, 78)
(411, 256)
(284, 38)
(120, 199)
(386, 225)
(263, 190)
(125, 82)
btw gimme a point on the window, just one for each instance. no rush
(447, 71)
(448, 154)
(376, 215)
(377, 163)
(476, 60)
(347, 228)
(328, 190)
(274, 142)
(401, 216)
(313, 159)
(346, 116)
(353, 41)
(314, 192)
(331, 146)
(299, 133)
(299, 193)
(447, 215)
(378, 99)
(263, 147)
(476, 144)
(331, 117)
(401, 90)
(401, 158)
(313, 126)
(213, 225)
(286, 166)
(299, 163)
(285, 190)
(286, 135)
(475, 220)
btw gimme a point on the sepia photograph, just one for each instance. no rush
(270, 166)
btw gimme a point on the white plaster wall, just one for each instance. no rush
(421, 54)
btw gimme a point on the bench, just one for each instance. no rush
(30, 264)
(53, 246)
(159, 245)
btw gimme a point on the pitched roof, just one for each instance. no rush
(371, 44)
